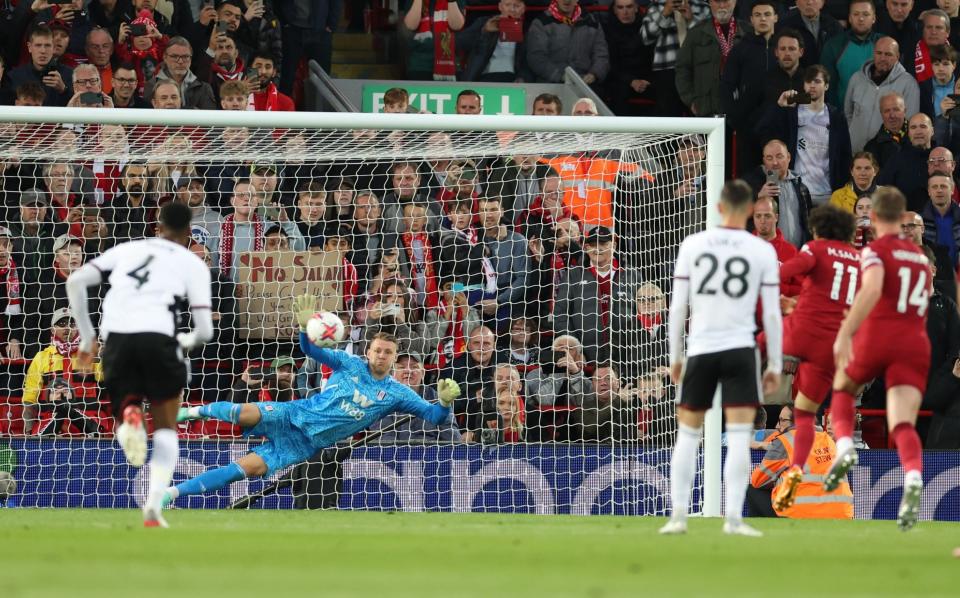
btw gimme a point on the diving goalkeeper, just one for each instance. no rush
(356, 395)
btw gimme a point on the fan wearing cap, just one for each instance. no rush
(594, 295)
(33, 231)
(266, 384)
(57, 384)
(10, 298)
(145, 51)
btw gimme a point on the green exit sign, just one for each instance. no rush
(442, 99)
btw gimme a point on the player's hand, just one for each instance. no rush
(842, 350)
(86, 355)
(448, 391)
(187, 341)
(304, 306)
(771, 382)
(676, 370)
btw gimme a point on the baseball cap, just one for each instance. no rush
(184, 181)
(33, 197)
(260, 167)
(279, 362)
(598, 234)
(5, 232)
(58, 315)
(411, 355)
(64, 240)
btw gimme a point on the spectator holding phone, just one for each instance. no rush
(141, 44)
(42, 69)
(774, 180)
(495, 48)
(262, 77)
(259, 384)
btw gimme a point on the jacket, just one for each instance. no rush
(548, 388)
(698, 68)
(930, 214)
(47, 365)
(861, 105)
(812, 502)
(577, 310)
(589, 183)
(843, 55)
(27, 74)
(884, 146)
(756, 179)
(782, 123)
(194, 93)
(943, 329)
(829, 27)
(478, 46)
(907, 171)
(744, 78)
(846, 197)
(553, 46)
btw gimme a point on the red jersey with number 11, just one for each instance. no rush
(907, 284)
(830, 271)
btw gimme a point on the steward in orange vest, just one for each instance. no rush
(812, 502)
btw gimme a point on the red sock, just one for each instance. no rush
(842, 410)
(803, 436)
(908, 446)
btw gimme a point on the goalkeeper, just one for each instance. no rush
(356, 395)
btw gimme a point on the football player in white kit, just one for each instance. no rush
(720, 273)
(143, 356)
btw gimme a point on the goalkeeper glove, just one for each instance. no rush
(448, 391)
(304, 306)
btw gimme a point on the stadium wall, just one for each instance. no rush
(544, 479)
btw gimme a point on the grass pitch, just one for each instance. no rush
(274, 554)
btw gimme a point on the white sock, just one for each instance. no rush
(736, 471)
(844, 444)
(162, 462)
(193, 412)
(683, 467)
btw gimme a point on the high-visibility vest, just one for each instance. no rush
(812, 502)
(589, 184)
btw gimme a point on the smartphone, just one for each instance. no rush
(772, 178)
(222, 26)
(955, 97)
(138, 30)
(802, 97)
(511, 30)
(91, 98)
(251, 74)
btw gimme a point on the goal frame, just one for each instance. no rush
(713, 128)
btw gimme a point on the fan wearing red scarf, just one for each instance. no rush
(266, 96)
(432, 54)
(145, 51)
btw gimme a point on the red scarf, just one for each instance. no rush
(107, 177)
(726, 43)
(227, 240)
(234, 74)
(554, 11)
(272, 100)
(604, 290)
(457, 345)
(431, 295)
(444, 48)
(66, 348)
(922, 65)
(348, 276)
(648, 321)
(8, 276)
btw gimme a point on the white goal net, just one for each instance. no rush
(529, 259)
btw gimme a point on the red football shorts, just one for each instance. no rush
(901, 357)
(813, 346)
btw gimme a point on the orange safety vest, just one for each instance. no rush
(589, 184)
(812, 502)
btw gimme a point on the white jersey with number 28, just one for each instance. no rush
(147, 277)
(721, 273)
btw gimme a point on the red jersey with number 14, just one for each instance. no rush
(907, 284)
(830, 271)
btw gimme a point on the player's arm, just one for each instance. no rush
(198, 293)
(304, 307)
(871, 289)
(87, 276)
(798, 265)
(677, 320)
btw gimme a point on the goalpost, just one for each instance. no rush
(97, 176)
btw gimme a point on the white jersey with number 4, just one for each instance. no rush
(721, 273)
(147, 277)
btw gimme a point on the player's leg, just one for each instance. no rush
(163, 460)
(736, 468)
(842, 413)
(249, 466)
(903, 402)
(123, 384)
(244, 415)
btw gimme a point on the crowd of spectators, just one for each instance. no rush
(546, 308)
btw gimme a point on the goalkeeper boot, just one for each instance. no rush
(185, 414)
(786, 493)
(168, 498)
(739, 528)
(153, 518)
(838, 471)
(910, 503)
(132, 436)
(674, 527)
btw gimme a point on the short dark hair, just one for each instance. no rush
(830, 222)
(468, 92)
(31, 90)
(943, 54)
(737, 194)
(40, 31)
(810, 73)
(889, 204)
(396, 95)
(549, 98)
(176, 216)
(788, 32)
(263, 56)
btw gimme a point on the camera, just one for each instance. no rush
(138, 30)
(91, 98)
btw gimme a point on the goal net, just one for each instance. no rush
(529, 259)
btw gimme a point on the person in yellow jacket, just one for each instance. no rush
(863, 173)
(56, 383)
(811, 501)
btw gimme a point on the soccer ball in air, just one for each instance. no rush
(325, 328)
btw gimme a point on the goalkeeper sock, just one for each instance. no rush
(842, 412)
(211, 480)
(225, 412)
(162, 462)
(683, 467)
(803, 436)
(736, 471)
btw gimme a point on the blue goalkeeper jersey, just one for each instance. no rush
(353, 399)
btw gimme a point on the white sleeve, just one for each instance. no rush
(677, 322)
(198, 294)
(106, 261)
(772, 318)
(77, 283)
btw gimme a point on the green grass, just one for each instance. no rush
(276, 554)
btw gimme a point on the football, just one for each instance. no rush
(325, 328)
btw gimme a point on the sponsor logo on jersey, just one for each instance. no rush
(351, 410)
